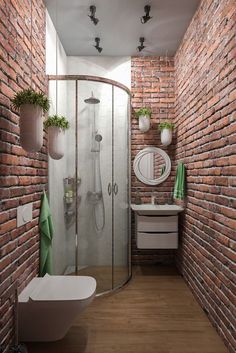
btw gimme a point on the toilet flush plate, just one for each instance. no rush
(24, 214)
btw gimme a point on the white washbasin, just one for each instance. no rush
(149, 209)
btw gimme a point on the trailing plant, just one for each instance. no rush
(144, 111)
(58, 121)
(29, 96)
(166, 125)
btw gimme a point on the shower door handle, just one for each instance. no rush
(109, 189)
(115, 189)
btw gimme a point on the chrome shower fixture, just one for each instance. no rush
(92, 100)
(146, 17)
(92, 17)
(97, 41)
(141, 46)
(98, 137)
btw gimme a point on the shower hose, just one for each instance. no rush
(99, 227)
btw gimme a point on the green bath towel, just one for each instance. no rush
(46, 234)
(179, 189)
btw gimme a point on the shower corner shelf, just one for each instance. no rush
(70, 196)
(70, 206)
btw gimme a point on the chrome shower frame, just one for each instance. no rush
(113, 83)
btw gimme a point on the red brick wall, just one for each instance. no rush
(206, 142)
(152, 85)
(22, 176)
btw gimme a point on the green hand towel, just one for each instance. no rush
(179, 189)
(46, 234)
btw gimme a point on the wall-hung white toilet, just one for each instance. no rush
(48, 306)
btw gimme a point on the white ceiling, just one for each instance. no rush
(119, 25)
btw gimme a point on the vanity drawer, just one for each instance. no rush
(157, 240)
(157, 224)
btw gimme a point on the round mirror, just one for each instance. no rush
(152, 166)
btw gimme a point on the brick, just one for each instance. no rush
(18, 168)
(154, 93)
(7, 226)
(206, 143)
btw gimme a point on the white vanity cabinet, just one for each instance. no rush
(156, 226)
(157, 232)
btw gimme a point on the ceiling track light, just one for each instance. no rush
(97, 41)
(92, 17)
(147, 16)
(141, 46)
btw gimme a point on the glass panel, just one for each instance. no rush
(95, 172)
(103, 183)
(62, 208)
(121, 186)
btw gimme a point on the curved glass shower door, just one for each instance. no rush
(95, 191)
(89, 186)
(121, 165)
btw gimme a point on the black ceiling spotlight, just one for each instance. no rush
(92, 17)
(97, 41)
(141, 46)
(146, 17)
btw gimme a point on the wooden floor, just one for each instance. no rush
(154, 313)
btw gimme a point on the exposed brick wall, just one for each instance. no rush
(22, 176)
(206, 142)
(152, 85)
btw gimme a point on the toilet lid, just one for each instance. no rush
(63, 288)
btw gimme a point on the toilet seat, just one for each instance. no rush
(59, 288)
(49, 305)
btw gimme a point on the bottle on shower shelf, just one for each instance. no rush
(70, 195)
(69, 190)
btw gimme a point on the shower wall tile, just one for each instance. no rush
(58, 95)
(152, 85)
(206, 142)
(56, 58)
(23, 175)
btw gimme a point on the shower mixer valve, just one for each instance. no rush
(94, 197)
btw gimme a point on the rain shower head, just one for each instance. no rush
(98, 138)
(92, 100)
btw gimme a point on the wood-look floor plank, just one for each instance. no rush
(155, 313)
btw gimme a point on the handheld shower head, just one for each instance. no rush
(98, 138)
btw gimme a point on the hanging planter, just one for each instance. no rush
(144, 115)
(56, 126)
(31, 106)
(166, 133)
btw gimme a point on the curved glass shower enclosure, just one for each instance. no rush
(89, 187)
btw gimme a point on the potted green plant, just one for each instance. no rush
(166, 129)
(56, 126)
(31, 106)
(144, 115)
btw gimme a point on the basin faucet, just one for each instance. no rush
(153, 198)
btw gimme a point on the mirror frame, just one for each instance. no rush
(138, 158)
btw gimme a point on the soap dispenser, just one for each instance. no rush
(153, 197)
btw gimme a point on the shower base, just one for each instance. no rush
(70, 270)
(103, 275)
